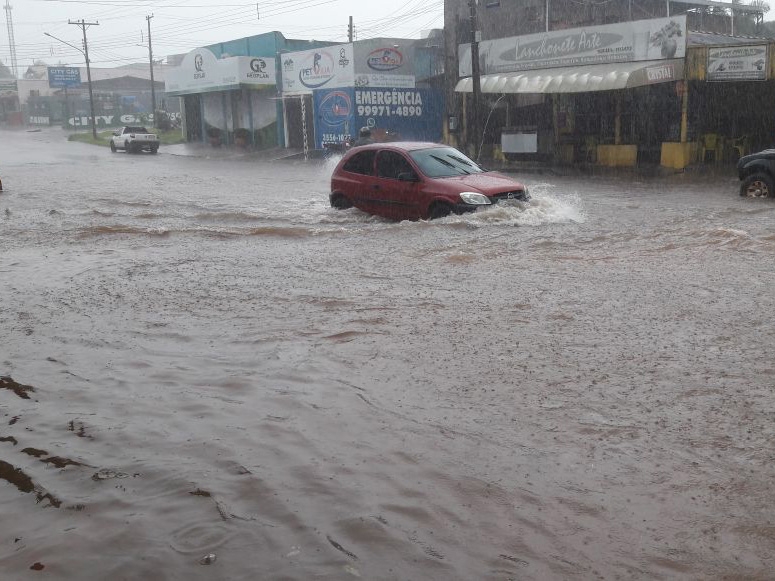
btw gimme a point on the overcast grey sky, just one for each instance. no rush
(182, 25)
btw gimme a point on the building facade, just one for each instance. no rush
(122, 95)
(604, 83)
(229, 91)
(392, 86)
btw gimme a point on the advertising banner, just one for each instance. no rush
(386, 56)
(334, 116)
(383, 80)
(200, 71)
(64, 77)
(738, 63)
(410, 114)
(330, 67)
(640, 40)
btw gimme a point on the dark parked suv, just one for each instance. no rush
(757, 173)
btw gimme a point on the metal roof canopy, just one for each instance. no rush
(579, 79)
(740, 8)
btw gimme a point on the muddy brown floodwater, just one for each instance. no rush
(210, 374)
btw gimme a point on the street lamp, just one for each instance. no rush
(88, 76)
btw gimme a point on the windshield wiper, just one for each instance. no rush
(448, 164)
(465, 162)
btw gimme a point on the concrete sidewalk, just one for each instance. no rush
(206, 151)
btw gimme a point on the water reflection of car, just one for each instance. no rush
(408, 181)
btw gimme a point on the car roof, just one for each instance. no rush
(404, 145)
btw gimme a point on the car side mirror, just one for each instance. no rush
(408, 176)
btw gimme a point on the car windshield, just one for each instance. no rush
(443, 162)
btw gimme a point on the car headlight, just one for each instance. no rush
(475, 199)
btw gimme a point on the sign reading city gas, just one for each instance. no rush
(201, 71)
(64, 77)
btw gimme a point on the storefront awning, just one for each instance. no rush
(581, 79)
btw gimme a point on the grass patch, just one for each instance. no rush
(102, 138)
(170, 137)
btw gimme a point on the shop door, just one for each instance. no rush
(193, 116)
(296, 121)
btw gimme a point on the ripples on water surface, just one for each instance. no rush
(212, 374)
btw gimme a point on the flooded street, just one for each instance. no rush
(227, 379)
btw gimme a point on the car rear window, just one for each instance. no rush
(361, 163)
(391, 164)
(137, 129)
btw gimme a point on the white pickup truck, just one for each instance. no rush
(133, 139)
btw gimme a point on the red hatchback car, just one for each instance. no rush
(408, 181)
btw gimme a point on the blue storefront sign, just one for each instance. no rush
(406, 114)
(64, 77)
(334, 116)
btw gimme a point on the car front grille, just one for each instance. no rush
(515, 195)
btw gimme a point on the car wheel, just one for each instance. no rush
(112, 147)
(340, 202)
(439, 210)
(154, 150)
(758, 185)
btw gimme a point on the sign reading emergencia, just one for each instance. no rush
(640, 40)
(200, 71)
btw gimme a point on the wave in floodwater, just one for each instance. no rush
(311, 215)
(268, 231)
(544, 207)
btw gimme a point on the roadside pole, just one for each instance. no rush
(84, 25)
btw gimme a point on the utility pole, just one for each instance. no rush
(350, 30)
(84, 25)
(475, 77)
(150, 58)
(11, 39)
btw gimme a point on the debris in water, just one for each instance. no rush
(38, 566)
(208, 559)
(339, 547)
(106, 474)
(35, 452)
(200, 492)
(24, 483)
(60, 462)
(21, 390)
